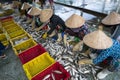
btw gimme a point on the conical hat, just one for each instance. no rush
(46, 14)
(34, 11)
(97, 40)
(25, 6)
(112, 19)
(74, 21)
(16, 3)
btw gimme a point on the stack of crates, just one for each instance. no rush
(37, 63)
(18, 37)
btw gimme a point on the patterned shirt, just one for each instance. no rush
(113, 51)
(78, 32)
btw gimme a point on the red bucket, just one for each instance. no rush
(31, 53)
(51, 71)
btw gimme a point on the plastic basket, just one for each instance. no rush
(13, 29)
(24, 46)
(64, 75)
(37, 65)
(31, 53)
(3, 39)
(6, 19)
(19, 39)
(1, 31)
(12, 25)
(16, 33)
(7, 23)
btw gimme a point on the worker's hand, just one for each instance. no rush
(78, 46)
(85, 61)
(66, 43)
(44, 36)
(36, 29)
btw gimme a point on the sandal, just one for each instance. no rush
(3, 56)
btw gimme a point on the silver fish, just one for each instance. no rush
(58, 72)
(53, 77)
(46, 77)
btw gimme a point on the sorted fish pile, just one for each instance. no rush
(64, 56)
(20, 40)
(52, 75)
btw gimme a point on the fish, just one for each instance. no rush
(58, 72)
(46, 77)
(53, 77)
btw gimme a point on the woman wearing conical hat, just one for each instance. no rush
(111, 21)
(55, 23)
(35, 12)
(107, 48)
(77, 28)
(25, 8)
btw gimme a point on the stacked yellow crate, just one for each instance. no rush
(18, 37)
(38, 64)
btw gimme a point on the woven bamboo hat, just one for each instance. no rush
(25, 6)
(112, 19)
(46, 14)
(34, 11)
(98, 40)
(74, 21)
(16, 3)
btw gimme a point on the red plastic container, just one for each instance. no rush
(49, 71)
(6, 18)
(31, 53)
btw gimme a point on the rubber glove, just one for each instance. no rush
(44, 36)
(78, 46)
(85, 61)
(66, 43)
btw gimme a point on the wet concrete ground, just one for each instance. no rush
(11, 67)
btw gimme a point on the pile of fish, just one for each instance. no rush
(52, 75)
(64, 56)
(20, 40)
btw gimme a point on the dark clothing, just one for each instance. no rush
(78, 32)
(38, 23)
(2, 47)
(54, 21)
(29, 1)
(50, 1)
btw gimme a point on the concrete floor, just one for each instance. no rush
(11, 68)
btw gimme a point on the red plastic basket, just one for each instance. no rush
(6, 19)
(31, 53)
(49, 71)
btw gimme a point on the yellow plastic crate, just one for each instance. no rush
(16, 33)
(5, 43)
(37, 65)
(1, 31)
(3, 39)
(7, 23)
(20, 39)
(10, 26)
(24, 46)
(13, 29)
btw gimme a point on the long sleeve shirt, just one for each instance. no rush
(78, 32)
(54, 21)
(113, 51)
